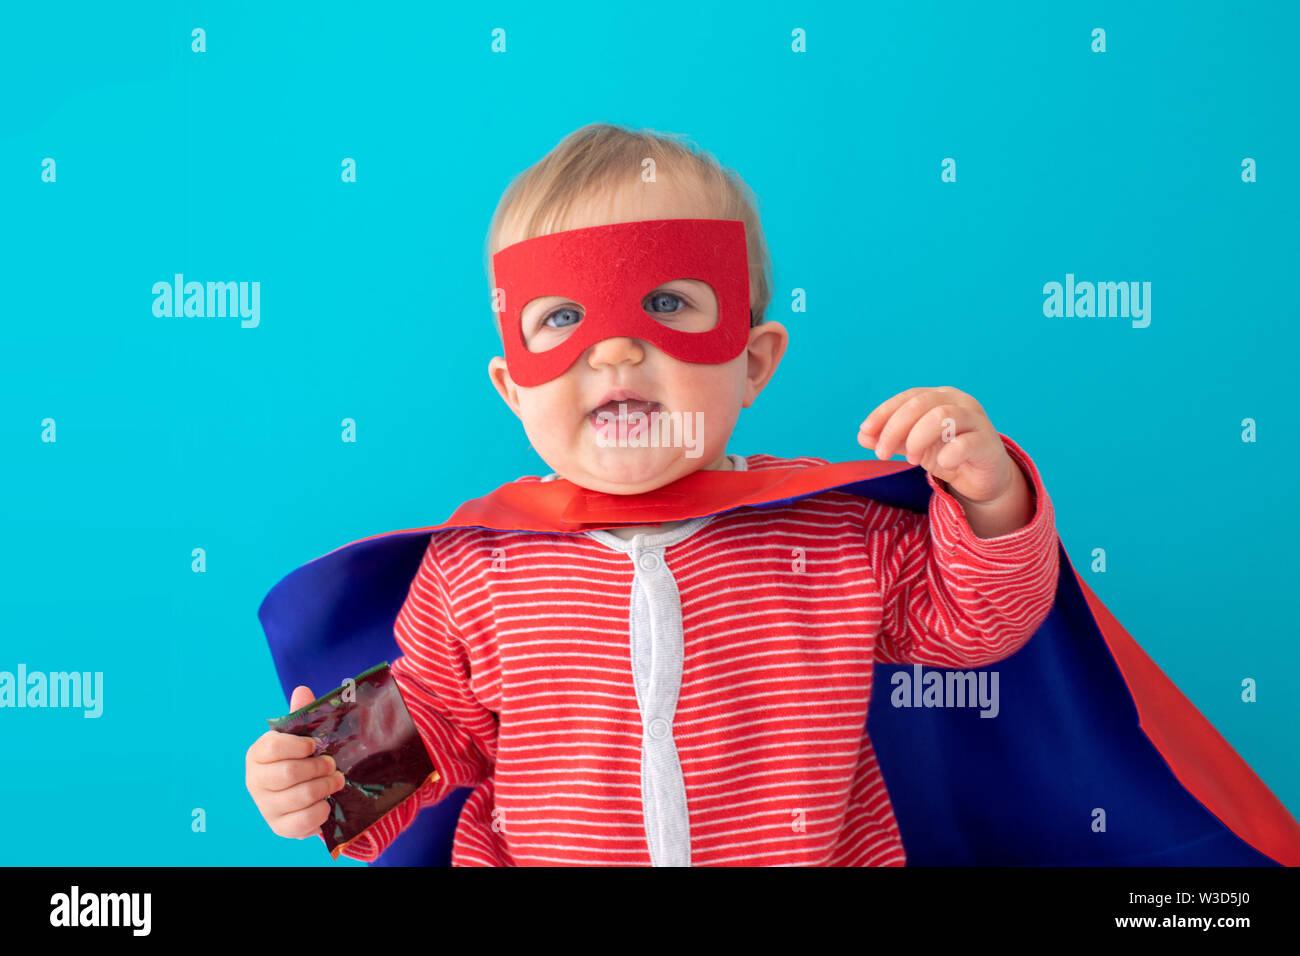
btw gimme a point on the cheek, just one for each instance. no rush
(544, 412)
(717, 384)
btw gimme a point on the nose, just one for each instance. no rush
(616, 351)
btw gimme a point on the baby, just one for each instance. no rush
(682, 694)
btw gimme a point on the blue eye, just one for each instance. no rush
(577, 317)
(660, 297)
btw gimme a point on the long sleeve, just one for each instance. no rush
(952, 599)
(433, 675)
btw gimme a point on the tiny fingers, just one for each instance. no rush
(305, 795)
(302, 823)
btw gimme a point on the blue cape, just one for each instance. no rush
(1019, 789)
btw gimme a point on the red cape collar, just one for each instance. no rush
(560, 505)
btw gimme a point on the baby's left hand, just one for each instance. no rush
(947, 433)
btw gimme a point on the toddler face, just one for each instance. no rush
(563, 417)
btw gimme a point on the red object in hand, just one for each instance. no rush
(368, 731)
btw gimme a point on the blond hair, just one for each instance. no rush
(602, 155)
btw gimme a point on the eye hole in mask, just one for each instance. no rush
(688, 305)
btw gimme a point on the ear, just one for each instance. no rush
(502, 382)
(767, 343)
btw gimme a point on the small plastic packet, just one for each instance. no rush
(368, 731)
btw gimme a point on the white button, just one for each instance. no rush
(659, 728)
(649, 561)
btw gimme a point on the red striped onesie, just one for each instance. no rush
(696, 696)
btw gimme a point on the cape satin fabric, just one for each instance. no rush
(1087, 719)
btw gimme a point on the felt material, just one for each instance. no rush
(1088, 721)
(609, 270)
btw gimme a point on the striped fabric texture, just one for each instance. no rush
(697, 696)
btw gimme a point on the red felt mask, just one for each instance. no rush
(609, 271)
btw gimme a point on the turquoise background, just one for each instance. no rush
(183, 433)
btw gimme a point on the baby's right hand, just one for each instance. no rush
(286, 782)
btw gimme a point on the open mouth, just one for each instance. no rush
(623, 412)
(624, 408)
(621, 404)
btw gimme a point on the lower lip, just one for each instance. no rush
(631, 424)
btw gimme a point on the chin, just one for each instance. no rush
(629, 473)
